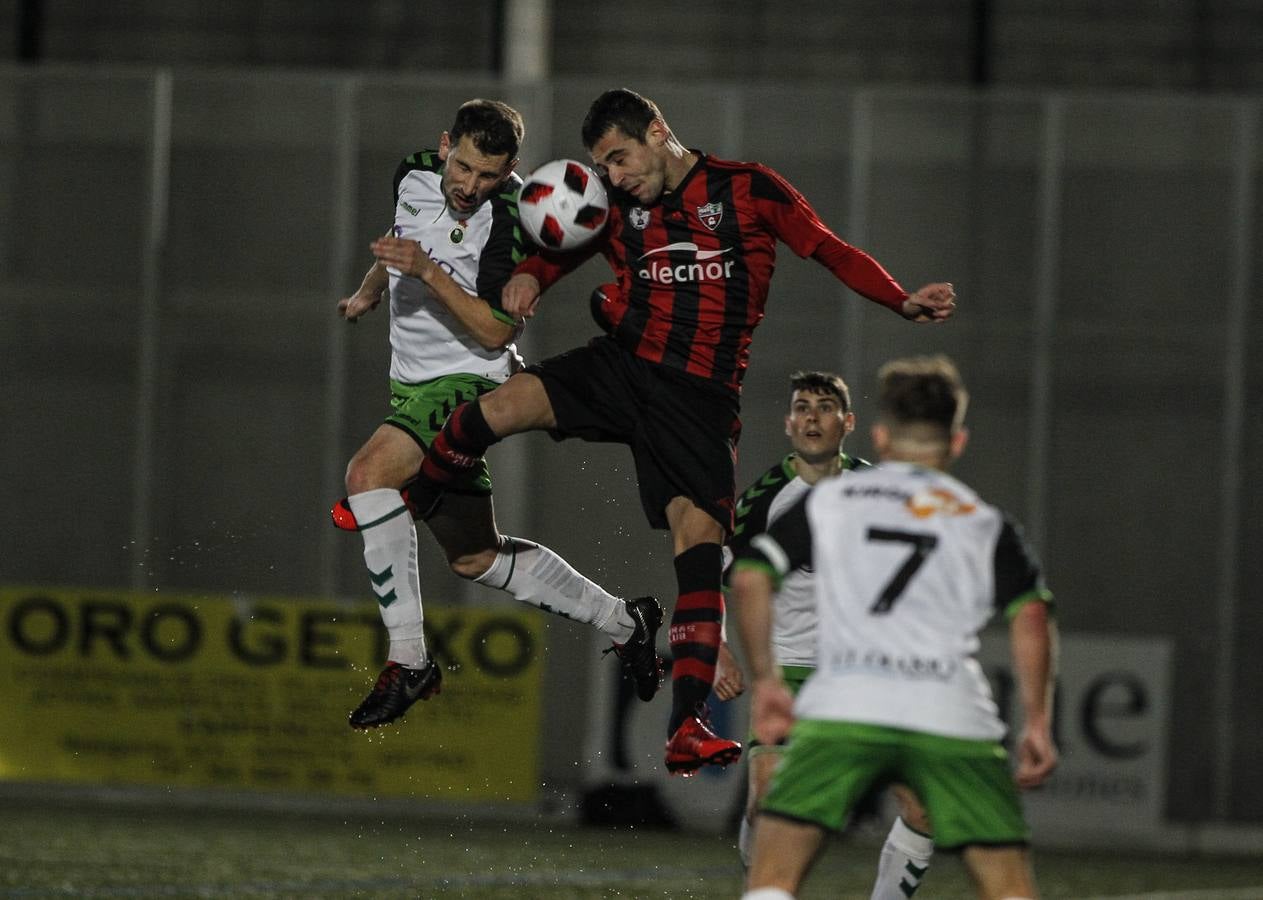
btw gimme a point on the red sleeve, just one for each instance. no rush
(860, 272)
(548, 268)
(796, 224)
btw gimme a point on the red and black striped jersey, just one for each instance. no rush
(693, 269)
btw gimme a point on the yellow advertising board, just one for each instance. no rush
(107, 687)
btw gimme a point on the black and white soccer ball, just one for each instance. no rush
(563, 205)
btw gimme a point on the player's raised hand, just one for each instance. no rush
(1036, 757)
(358, 304)
(520, 296)
(409, 257)
(931, 303)
(771, 711)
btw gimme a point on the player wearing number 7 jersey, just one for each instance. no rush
(910, 565)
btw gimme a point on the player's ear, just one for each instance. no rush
(881, 438)
(445, 145)
(848, 423)
(960, 438)
(788, 419)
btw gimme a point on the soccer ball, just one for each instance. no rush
(563, 205)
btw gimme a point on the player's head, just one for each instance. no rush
(819, 416)
(628, 139)
(479, 152)
(922, 417)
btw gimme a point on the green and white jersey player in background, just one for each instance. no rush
(910, 566)
(819, 419)
(454, 241)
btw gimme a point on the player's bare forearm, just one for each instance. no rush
(771, 710)
(369, 294)
(751, 592)
(473, 313)
(729, 680)
(1033, 640)
(931, 303)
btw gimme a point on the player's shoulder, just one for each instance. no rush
(854, 463)
(761, 181)
(772, 479)
(736, 165)
(505, 199)
(421, 161)
(418, 174)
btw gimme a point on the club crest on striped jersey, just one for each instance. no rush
(711, 214)
(639, 218)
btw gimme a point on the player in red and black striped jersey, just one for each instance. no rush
(693, 268)
(692, 242)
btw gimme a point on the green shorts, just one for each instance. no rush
(421, 409)
(793, 676)
(965, 785)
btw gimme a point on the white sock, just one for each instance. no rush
(536, 575)
(767, 893)
(745, 841)
(904, 858)
(390, 552)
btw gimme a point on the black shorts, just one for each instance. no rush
(682, 429)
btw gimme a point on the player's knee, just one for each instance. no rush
(471, 564)
(358, 478)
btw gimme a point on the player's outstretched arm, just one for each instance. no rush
(473, 313)
(1033, 639)
(932, 303)
(369, 294)
(772, 707)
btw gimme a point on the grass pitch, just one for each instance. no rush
(57, 848)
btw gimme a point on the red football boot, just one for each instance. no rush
(694, 745)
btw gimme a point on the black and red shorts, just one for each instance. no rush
(682, 429)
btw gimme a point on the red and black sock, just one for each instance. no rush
(695, 629)
(456, 449)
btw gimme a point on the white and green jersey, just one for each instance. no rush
(910, 565)
(794, 609)
(478, 251)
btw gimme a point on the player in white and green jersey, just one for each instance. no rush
(911, 564)
(817, 423)
(453, 244)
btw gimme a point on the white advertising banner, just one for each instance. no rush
(1112, 714)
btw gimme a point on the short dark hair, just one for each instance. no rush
(923, 390)
(621, 108)
(492, 126)
(821, 383)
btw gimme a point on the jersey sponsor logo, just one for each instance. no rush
(853, 659)
(938, 501)
(639, 218)
(409, 207)
(707, 265)
(711, 214)
(876, 491)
